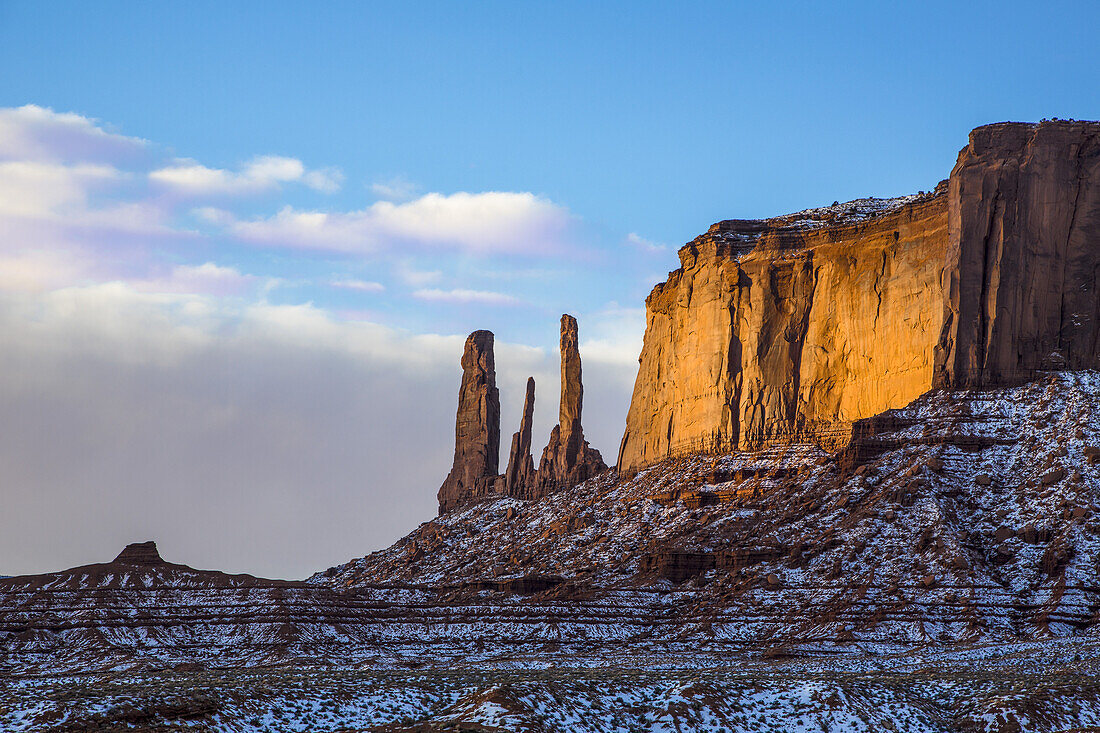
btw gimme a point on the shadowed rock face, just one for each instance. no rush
(140, 553)
(1021, 290)
(521, 466)
(477, 424)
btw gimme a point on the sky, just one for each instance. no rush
(241, 245)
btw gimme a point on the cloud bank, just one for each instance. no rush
(268, 439)
(172, 371)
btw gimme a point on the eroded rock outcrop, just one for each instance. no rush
(789, 327)
(568, 459)
(477, 426)
(520, 473)
(140, 553)
(1022, 278)
(792, 328)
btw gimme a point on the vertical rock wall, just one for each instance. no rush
(788, 328)
(1021, 290)
(794, 327)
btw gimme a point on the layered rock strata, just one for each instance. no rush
(477, 425)
(1022, 277)
(792, 328)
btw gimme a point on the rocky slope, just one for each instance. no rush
(964, 516)
(932, 700)
(967, 517)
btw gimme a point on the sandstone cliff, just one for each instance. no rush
(789, 327)
(794, 327)
(1021, 290)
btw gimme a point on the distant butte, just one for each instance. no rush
(139, 553)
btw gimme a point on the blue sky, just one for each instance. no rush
(241, 244)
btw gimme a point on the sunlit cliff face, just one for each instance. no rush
(799, 325)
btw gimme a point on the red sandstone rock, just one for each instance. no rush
(520, 473)
(568, 459)
(140, 553)
(477, 426)
(1020, 287)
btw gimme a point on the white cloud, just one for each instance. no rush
(45, 189)
(646, 245)
(395, 189)
(263, 173)
(417, 278)
(478, 223)
(614, 337)
(363, 286)
(207, 279)
(31, 132)
(325, 180)
(221, 429)
(461, 295)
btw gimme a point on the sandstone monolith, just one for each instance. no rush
(789, 328)
(1021, 282)
(477, 426)
(794, 328)
(520, 474)
(567, 459)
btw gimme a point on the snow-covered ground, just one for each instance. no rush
(940, 574)
(599, 701)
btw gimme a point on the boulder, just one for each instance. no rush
(1053, 476)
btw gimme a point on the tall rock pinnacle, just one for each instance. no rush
(568, 460)
(477, 425)
(520, 474)
(572, 391)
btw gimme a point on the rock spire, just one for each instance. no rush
(568, 459)
(520, 473)
(477, 425)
